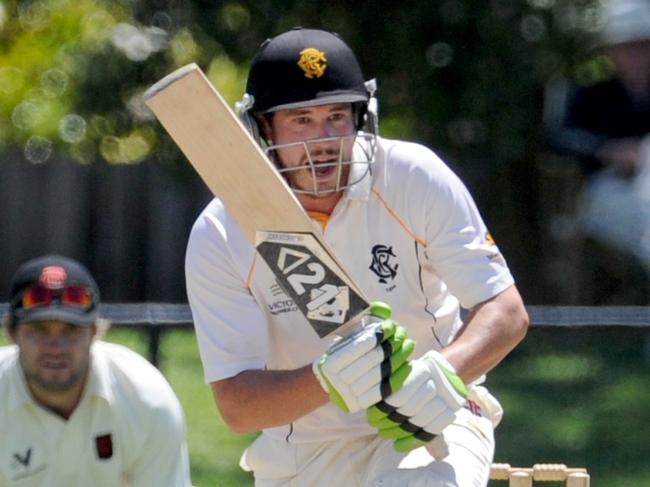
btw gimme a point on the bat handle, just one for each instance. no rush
(376, 313)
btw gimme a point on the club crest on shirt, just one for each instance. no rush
(383, 263)
(104, 446)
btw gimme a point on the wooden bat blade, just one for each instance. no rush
(237, 171)
(224, 154)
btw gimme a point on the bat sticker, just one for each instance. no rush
(306, 273)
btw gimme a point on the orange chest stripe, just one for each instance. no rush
(319, 217)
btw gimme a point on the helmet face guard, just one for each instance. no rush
(349, 170)
(305, 68)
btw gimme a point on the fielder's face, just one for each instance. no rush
(54, 356)
(313, 135)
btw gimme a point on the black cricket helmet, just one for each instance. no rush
(305, 68)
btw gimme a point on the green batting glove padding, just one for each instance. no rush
(456, 382)
(398, 377)
(398, 336)
(375, 416)
(377, 375)
(381, 423)
(407, 444)
(335, 397)
(388, 329)
(380, 310)
(389, 429)
(396, 340)
(401, 353)
(394, 433)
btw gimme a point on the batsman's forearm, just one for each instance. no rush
(491, 331)
(258, 399)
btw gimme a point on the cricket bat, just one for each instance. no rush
(238, 172)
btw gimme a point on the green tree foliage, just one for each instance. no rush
(465, 77)
(44, 54)
(72, 73)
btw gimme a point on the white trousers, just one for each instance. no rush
(373, 462)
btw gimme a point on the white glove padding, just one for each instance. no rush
(360, 370)
(424, 405)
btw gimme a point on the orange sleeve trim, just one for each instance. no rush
(249, 278)
(398, 219)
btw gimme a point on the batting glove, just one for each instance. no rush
(371, 364)
(424, 405)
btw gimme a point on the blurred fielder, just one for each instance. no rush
(75, 411)
(398, 404)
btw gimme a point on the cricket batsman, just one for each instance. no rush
(401, 402)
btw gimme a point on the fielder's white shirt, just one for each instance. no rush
(128, 429)
(410, 236)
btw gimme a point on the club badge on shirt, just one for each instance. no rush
(104, 446)
(383, 264)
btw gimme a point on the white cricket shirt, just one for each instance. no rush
(128, 429)
(410, 236)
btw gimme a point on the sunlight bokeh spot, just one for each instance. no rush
(54, 82)
(124, 150)
(38, 149)
(72, 128)
(26, 115)
(440, 54)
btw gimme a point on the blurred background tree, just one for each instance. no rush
(464, 77)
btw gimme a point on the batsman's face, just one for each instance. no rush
(309, 126)
(54, 356)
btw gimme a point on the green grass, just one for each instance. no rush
(579, 397)
(573, 396)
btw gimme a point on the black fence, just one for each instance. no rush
(128, 224)
(156, 318)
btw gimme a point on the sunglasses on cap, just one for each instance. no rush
(37, 296)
